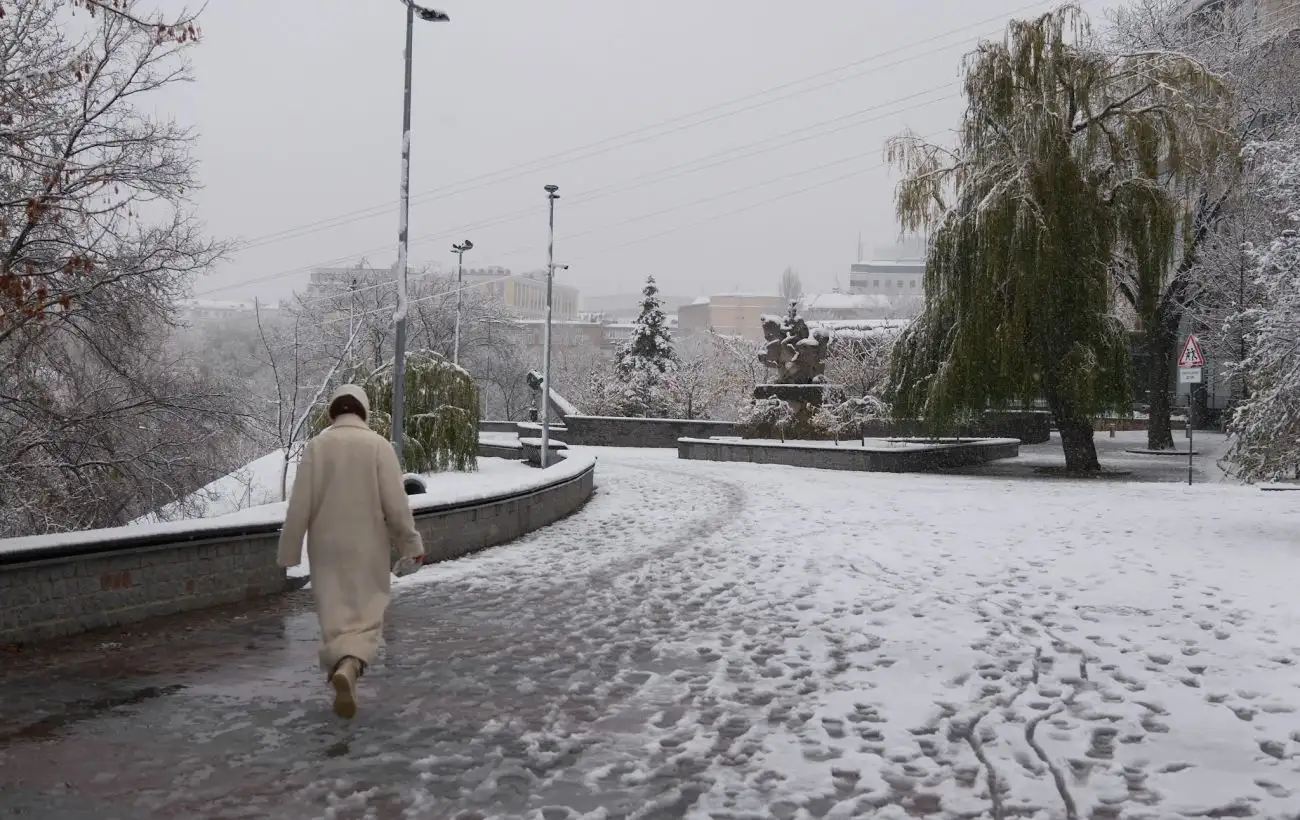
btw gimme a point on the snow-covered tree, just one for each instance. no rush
(1256, 56)
(644, 359)
(858, 358)
(791, 287)
(99, 421)
(701, 386)
(1266, 425)
(1060, 161)
(650, 346)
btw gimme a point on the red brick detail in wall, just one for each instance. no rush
(115, 580)
(189, 587)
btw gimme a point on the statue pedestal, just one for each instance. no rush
(803, 400)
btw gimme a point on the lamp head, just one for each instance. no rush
(430, 15)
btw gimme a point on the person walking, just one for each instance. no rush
(348, 501)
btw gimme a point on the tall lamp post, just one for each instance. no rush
(551, 196)
(459, 250)
(404, 210)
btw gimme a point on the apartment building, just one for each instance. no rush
(730, 314)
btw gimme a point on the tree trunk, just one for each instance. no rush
(1076, 440)
(1162, 350)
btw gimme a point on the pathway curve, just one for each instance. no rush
(736, 641)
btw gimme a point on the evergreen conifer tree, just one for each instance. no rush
(651, 346)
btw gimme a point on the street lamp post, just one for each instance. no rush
(551, 196)
(459, 250)
(404, 210)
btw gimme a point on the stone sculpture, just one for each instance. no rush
(797, 355)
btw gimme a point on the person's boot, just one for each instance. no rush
(344, 681)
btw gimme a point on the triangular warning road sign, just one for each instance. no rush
(1192, 356)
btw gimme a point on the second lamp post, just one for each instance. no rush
(459, 250)
(551, 195)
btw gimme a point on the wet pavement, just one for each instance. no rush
(729, 642)
(223, 714)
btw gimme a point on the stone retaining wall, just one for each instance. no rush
(71, 588)
(932, 458)
(497, 426)
(1029, 427)
(1134, 425)
(513, 452)
(604, 431)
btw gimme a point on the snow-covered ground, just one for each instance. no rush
(747, 641)
(815, 644)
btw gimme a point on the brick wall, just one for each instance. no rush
(86, 587)
(63, 596)
(847, 457)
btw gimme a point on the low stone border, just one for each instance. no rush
(921, 458)
(1030, 427)
(511, 452)
(103, 578)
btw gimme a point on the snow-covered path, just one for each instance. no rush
(736, 641)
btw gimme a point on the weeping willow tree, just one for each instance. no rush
(1061, 167)
(441, 412)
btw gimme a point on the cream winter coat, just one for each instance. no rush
(348, 500)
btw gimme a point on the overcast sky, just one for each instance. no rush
(298, 108)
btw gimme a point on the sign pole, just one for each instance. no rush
(1190, 373)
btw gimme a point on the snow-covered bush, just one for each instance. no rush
(846, 419)
(1266, 426)
(766, 418)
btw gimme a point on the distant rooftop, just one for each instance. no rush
(217, 304)
(844, 301)
(889, 264)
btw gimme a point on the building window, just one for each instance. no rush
(875, 283)
(913, 283)
(900, 284)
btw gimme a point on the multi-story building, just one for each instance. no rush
(571, 333)
(334, 281)
(525, 294)
(891, 278)
(894, 280)
(730, 314)
(200, 310)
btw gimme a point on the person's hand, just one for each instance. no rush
(406, 566)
